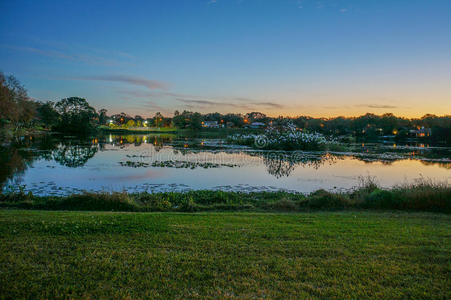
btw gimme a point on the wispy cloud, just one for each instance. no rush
(270, 104)
(320, 4)
(147, 83)
(83, 58)
(247, 105)
(382, 106)
(200, 102)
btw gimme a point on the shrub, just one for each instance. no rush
(154, 202)
(380, 199)
(188, 205)
(323, 199)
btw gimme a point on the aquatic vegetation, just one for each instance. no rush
(189, 164)
(286, 137)
(178, 164)
(133, 164)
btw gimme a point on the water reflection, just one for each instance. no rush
(164, 153)
(158, 141)
(280, 164)
(74, 155)
(13, 162)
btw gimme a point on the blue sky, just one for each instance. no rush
(290, 57)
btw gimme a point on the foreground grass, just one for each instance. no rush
(224, 255)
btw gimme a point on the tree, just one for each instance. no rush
(196, 121)
(158, 119)
(47, 114)
(16, 108)
(130, 123)
(77, 116)
(103, 118)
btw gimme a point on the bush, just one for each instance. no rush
(188, 205)
(154, 202)
(323, 199)
(380, 199)
(284, 204)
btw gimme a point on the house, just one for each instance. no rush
(210, 124)
(421, 132)
(257, 125)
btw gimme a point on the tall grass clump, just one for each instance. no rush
(420, 195)
(423, 194)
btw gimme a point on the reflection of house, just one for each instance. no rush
(257, 125)
(230, 124)
(421, 132)
(210, 124)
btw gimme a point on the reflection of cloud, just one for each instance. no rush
(150, 84)
(138, 176)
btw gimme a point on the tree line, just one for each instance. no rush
(74, 115)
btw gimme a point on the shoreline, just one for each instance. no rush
(423, 196)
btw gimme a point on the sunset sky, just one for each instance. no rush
(289, 57)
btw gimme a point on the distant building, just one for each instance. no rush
(257, 125)
(421, 132)
(210, 124)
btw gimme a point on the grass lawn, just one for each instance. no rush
(224, 255)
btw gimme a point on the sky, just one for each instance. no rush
(321, 58)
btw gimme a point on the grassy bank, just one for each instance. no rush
(419, 196)
(221, 255)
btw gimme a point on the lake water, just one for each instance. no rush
(154, 163)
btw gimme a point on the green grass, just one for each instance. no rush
(422, 195)
(357, 255)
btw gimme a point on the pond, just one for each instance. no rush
(160, 163)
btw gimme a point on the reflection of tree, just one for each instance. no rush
(280, 164)
(13, 162)
(16, 157)
(277, 165)
(444, 164)
(74, 155)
